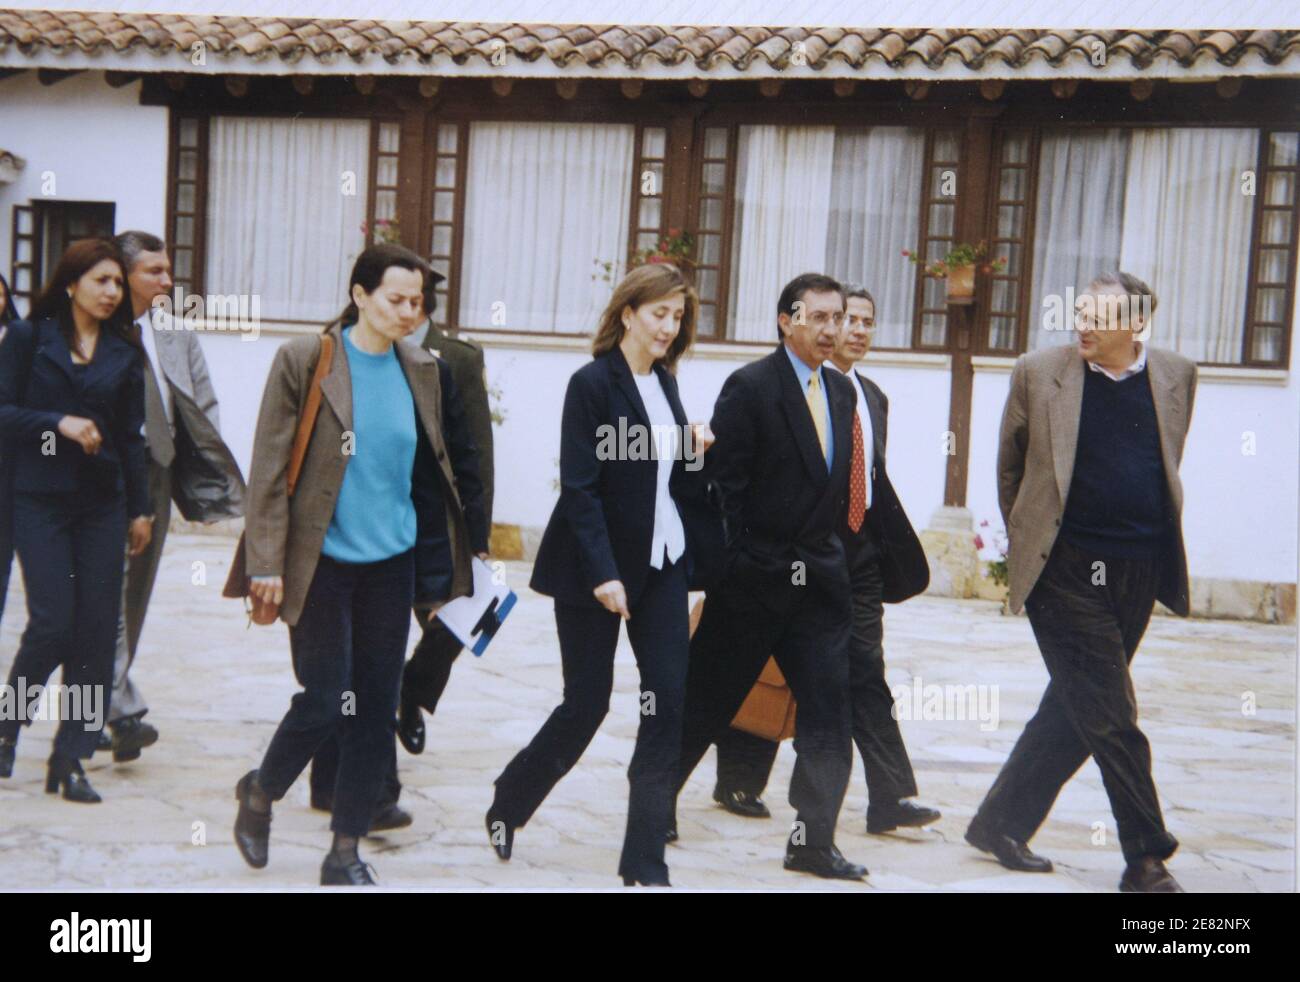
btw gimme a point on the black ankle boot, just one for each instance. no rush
(68, 774)
(7, 749)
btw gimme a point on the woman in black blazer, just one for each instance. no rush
(622, 544)
(72, 405)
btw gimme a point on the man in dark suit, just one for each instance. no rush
(785, 435)
(886, 561)
(426, 674)
(1092, 437)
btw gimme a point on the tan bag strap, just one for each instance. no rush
(307, 421)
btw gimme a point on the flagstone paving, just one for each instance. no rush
(1217, 701)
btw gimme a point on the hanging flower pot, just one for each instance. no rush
(961, 281)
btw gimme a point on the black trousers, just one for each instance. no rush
(6, 529)
(348, 648)
(659, 633)
(745, 761)
(71, 547)
(1088, 632)
(423, 680)
(736, 635)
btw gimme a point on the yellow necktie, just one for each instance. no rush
(817, 406)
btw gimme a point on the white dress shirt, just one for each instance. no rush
(864, 415)
(669, 538)
(1138, 365)
(145, 321)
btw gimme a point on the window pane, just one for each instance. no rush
(1147, 201)
(647, 240)
(444, 206)
(447, 139)
(1270, 304)
(185, 197)
(1003, 296)
(267, 175)
(189, 131)
(184, 233)
(545, 203)
(1011, 187)
(189, 166)
(935, 293)
(1010, 251)
(941, 218)
(445, 172)
(706, 281)
(1277, 228)
(934, 329)
(1011, 221)
(184, 264)
(1002, 333)
(715, 142)
(945, 146)
(649, 215)
(708, 319)
(1283, 149)
(651, 179)
(386, 172)
(1268, 344)
(943, 183)
(653, 140)
(385, 205)
(441, 240)
(389, 137)
(711, 214)
(715, 178)
(1272, 265)
(709, 249)
(1280, 189)
(1015, 148)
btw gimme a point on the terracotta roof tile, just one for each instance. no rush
(706, 49)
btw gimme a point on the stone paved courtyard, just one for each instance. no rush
(217, 688)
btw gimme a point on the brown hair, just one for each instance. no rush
(643, 285)
(54, 301)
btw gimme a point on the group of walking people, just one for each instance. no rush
(369, 494)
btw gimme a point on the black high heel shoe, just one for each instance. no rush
(7, 749)
(69, 775)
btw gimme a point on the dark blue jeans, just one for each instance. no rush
(6, 527)
(72, 548)
(348, 648)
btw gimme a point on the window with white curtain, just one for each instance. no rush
(545, 202)
(286, 201)
(1164, 204)
(842, 201)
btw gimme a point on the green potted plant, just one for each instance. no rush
(958, 268)
(675, 248)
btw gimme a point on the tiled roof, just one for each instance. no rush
(52, 38)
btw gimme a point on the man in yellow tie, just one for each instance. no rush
(784, 438)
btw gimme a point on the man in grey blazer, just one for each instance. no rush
(174, 361)
(1092, 437)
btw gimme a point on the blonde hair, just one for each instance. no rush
(643, 285)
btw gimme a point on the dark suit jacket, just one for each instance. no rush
(466, 361)
(779, 504)
(38, 387)
(603, 524)
(465, 458)
(903, 566)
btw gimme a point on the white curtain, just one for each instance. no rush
(876, 185)
(1187, 233)
(281, 221)
(1164, 204)
(783, 196)
(1078, 225)
(544, 203)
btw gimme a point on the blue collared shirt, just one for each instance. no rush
(803, 373)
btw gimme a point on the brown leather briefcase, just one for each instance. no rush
(769, 709)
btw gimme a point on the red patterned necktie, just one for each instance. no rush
(857, 478)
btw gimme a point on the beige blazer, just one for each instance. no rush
(1036, 449)
(283, 536)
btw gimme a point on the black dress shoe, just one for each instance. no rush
(1148, 875)
(69, 776)
(1011, 853)
(741, 803)
(388, 817)
(105, 741)
(252, 827)
(410, 727)
(632, 881)
(900, 814)
(335, 872)
(8, 748)
(826, 862)
(501, 835)
(130, 736)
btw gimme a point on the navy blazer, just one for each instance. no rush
(602, 527)
(780, 505)
(39, 386)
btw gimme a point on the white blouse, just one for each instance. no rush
(669, 537)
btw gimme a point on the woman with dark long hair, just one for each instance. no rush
(72, 406)
(620, 547)
(8, 314)
(374, 528)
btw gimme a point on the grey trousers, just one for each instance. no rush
(137, 587)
